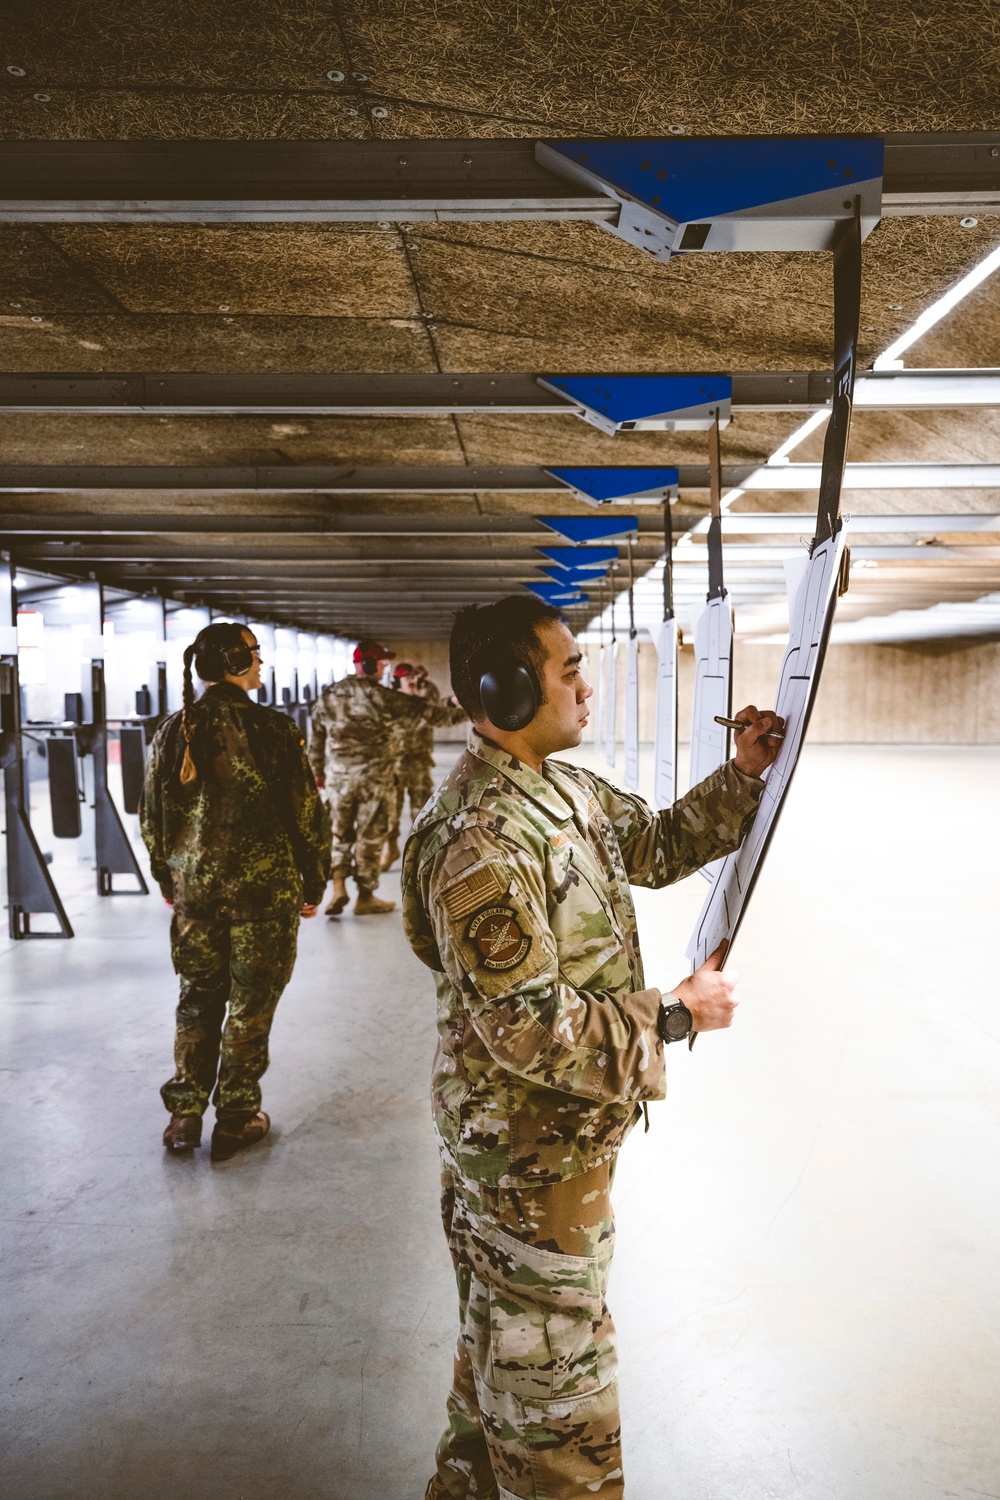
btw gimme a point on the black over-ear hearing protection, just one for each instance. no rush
(237, 659)
(215, 658)
(510, 692)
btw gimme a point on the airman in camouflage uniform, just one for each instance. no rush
(516, 895)
(357, 738)
(415, 775)
(239, 848)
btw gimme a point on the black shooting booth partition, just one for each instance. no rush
(31, 891)
(63, 733)
(136, 683)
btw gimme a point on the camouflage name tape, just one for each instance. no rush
(468, 895)
(497, 934)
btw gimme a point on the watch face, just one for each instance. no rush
(677, 1023)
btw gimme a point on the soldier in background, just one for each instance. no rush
(516, 894)
(416, 762)
(357, 735)
(238, 842)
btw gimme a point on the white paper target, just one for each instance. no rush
(812, 602)
(713, 688)
(594, 727)
(665, 730)
(630, 778)
(611, 703)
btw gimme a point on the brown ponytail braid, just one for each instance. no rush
(189, 771)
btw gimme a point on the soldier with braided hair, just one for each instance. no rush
(239, 842)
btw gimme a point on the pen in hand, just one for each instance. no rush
(742, 724)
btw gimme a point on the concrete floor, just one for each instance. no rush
(806, 1284)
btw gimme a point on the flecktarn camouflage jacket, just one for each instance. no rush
(250, 837)
(516, 893)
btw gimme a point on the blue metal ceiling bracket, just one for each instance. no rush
(593, 559)
(579, 529)
(574, 578)
(554, 593)
(780, 193)
(607, 486)
(646, 403)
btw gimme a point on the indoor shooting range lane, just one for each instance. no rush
(805, 1249)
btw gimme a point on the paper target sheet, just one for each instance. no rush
(610, 696)
(713, 694)
(596, 675)
(812, 601)
(630, 777)
(713, 688)
(665, 728)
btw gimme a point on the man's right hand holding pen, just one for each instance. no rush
(758, 739)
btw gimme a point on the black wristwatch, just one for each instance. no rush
(674, 1023)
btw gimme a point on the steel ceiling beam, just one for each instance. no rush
(749, 523)
(279, 573)
(395, 181)
(453, 479)
(951, 554)
(335, 524)
(409, 395)
(361, 588)
(434, 394)
(143, 551)
(418, 528)
(324, 479)
(745, 555)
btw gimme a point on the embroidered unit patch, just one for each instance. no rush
(497, 934)
(466, 896)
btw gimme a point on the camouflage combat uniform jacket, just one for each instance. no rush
(421, 738)
(516, 893)
(359, 725)
(250, 838)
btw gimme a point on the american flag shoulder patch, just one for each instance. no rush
(475, 890)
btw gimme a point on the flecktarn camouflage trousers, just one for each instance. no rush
(533, 1409)
(362, 807)
(240, 965)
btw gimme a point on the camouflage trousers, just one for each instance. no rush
(240, 965)
(417, 782)
(533, 1408)
(361, 810)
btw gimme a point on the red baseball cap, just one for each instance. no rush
(373, 649)
(404, 669)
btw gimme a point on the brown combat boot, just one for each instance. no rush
(228, 1139)
(339, 899)
(369, 905)
(183, 1133)
(390, 854)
